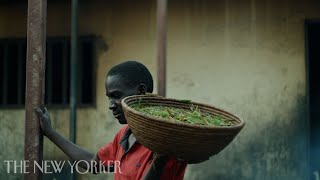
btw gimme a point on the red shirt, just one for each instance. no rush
(134, 162)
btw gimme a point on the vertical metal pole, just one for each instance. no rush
(73, 73)
(35, 81)
(162, 42)
(74, 68)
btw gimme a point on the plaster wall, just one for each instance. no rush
(247, 57)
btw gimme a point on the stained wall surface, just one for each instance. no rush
(247, 57)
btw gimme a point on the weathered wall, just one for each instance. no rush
(246, 57)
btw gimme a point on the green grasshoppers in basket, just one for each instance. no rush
(191, 116)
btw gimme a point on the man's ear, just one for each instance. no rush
(142, 89)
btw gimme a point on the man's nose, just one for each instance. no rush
(112, 105)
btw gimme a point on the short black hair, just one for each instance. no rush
(133, 73)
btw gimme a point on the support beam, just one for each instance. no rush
(73, 71)
(35, 81)
(162, 43)
(73, 75)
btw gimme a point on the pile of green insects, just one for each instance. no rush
(192, 115)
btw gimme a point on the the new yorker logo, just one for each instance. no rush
(53, 166)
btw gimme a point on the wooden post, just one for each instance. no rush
(162, 42)
(35, 81)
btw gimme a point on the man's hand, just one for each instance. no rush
(73, 151)
(45, 120)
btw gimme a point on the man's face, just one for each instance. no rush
(116, 90)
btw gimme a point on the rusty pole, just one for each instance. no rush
(161, 42)
(35, 81)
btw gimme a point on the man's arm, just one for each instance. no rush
(73, 151)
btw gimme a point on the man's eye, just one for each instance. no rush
(117, 95)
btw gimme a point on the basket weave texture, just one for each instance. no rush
(183, 140)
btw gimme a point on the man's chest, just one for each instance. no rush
(133, 162)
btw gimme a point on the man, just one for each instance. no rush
(135, 160)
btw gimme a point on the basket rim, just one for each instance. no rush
(163, 120)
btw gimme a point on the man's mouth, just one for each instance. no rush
(117, 115)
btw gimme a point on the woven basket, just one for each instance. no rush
(183, 140)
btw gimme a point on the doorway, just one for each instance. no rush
(313, 70)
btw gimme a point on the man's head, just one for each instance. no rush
(126, 79)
